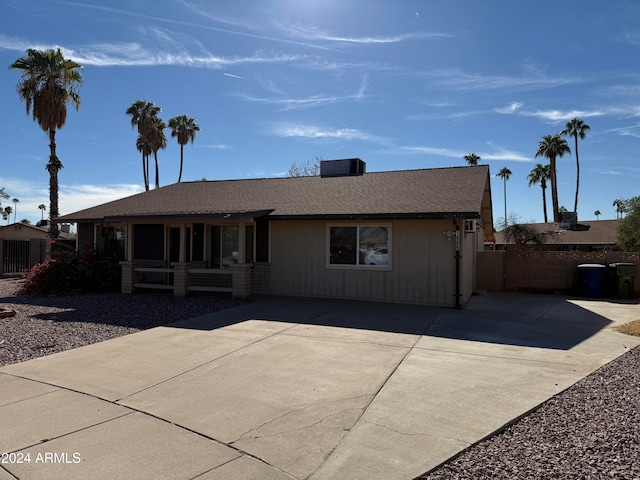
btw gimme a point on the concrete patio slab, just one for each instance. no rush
(133, 446)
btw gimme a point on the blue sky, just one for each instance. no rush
(402, 85)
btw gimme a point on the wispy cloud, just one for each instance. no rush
(462, 81)
(136, 54)
(511, 108)
(216, 146)
(629, 36)
(312, 33)
(627, 131)
(550, 115)
(294, 103)
(287, 103)
(604, 172)
(500, 154)
(200, 12)
(324, 133)
(233, 76)
(563, 115)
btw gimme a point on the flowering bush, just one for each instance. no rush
(71, 272)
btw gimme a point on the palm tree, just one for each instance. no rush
(597, 213)
(142, 115)
(157, 140)
(576, 128)
(540, 174)
(8, 212)
(620, 204)
(472, 159)
(505, 174)
(184, 128)
(42, 207)
(47, 83)
(552, 146)
(15, 210)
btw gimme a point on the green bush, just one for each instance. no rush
(72, 272)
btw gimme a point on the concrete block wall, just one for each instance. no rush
(544, 271)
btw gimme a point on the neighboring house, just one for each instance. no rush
(25, 231)
(399, 236)
(23, 245)
(585, 236)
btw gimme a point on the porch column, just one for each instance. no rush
(241, 280)
(180, 279)
(127, 276)
(183, 244)
(242, 243)
(129, 240)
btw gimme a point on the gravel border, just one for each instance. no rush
(46, 325)
(589, 431)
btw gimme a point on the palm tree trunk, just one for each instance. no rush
(544, 201)
(181, 152)
(554, 188)
(505, 201)
(146, 166)
(144, 173)
(53, 167)
(575, 205)
(155, 157)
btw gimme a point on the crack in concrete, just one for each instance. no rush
(247, 434)
(426, 435)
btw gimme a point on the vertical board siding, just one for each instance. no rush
(423, 265)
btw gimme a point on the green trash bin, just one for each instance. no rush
(623, 276)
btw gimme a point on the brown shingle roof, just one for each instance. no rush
(430, 192)
(592, 232)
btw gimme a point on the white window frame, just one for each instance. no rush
(357, 225)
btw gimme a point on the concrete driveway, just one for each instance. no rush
(295, 388)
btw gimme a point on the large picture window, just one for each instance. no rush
(361, 245)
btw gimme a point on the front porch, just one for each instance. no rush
(185, 277)
(215, 256)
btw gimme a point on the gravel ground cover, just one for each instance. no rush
(590, 431)
(46, 325)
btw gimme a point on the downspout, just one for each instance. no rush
(457, 295)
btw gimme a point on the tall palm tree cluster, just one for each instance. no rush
(151, 137)
(49, 82)
(550, 147)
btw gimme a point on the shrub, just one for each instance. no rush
(71, 272)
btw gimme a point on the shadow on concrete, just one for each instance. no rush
(530, 320)
(393, 318)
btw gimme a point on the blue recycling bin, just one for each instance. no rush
(591, 277)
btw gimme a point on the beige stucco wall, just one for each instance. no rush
(422, 270)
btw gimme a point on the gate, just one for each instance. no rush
(15, 255)
(491, 270)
